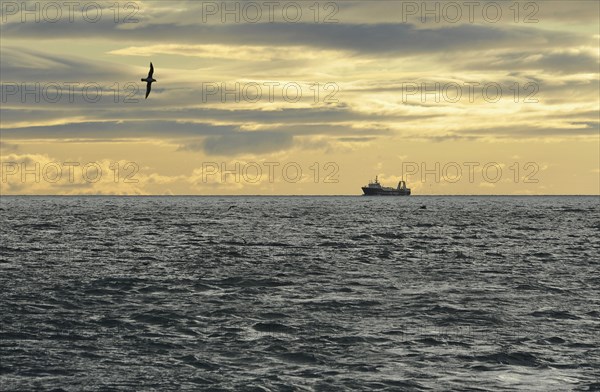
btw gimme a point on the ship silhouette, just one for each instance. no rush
(375, 189)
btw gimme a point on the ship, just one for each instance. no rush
(375, 189)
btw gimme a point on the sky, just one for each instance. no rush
(300, 98)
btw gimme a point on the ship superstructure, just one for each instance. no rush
(375, 189)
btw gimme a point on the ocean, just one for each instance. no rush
(300, 293)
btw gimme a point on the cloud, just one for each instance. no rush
(243, 143)
(561, 62)
(117, 130)
(227, 52)
(8, 147)
(356, 139)
(400, 38)
(26, 65)
(590, 128)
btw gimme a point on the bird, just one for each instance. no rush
(149, 80)
(230, 207)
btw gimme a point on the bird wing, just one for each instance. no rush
(151, 71)
(148, 87)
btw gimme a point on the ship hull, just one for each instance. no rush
(384, 192)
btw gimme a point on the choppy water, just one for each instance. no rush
(300, 293)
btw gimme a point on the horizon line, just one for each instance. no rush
(308, 195)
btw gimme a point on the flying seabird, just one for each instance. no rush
(149, 80)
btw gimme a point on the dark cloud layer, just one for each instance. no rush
(552, 62)
(247, 142)
(401, 38)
